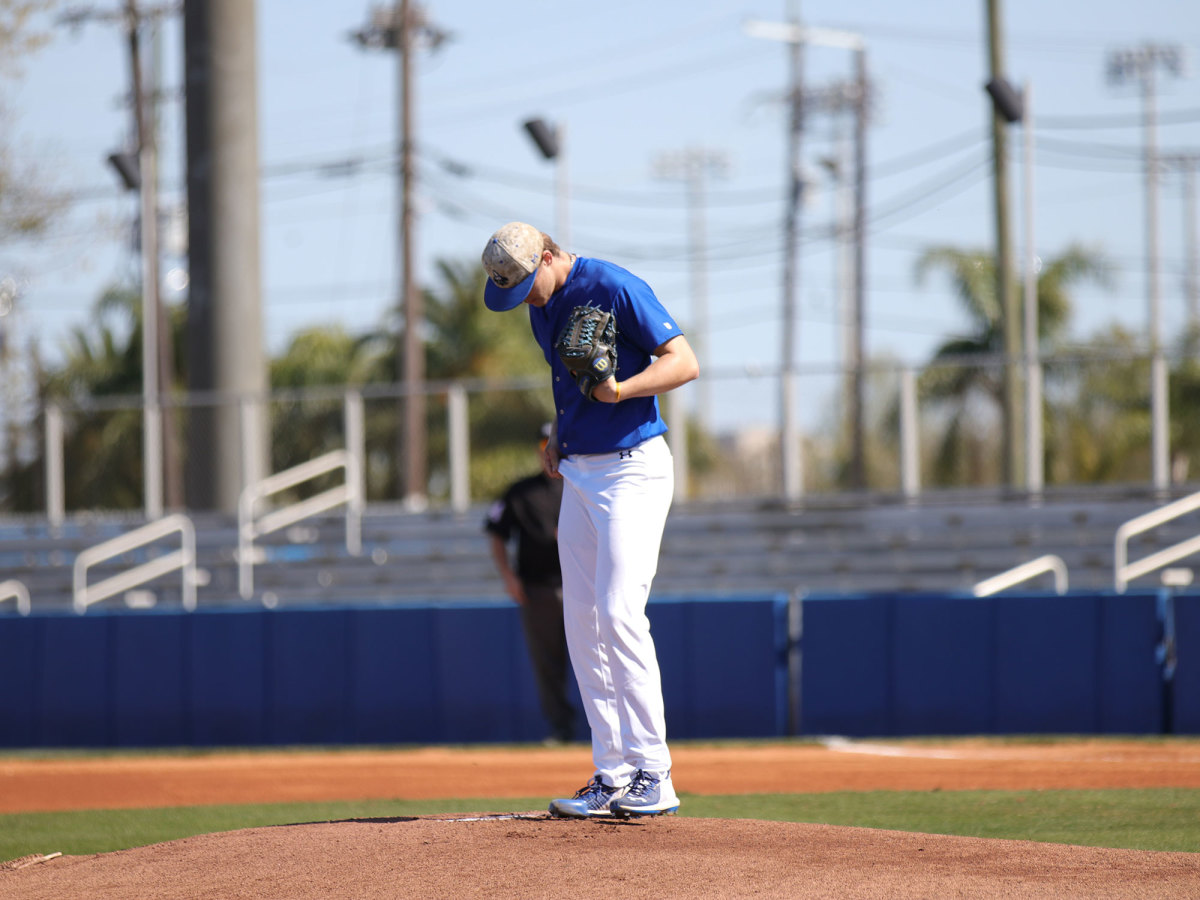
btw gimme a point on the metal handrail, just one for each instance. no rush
(1125, 571)
(349, 494)
(183, 559)
(1023, 572)
(13, 589)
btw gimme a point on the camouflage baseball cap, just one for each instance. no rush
(511, 258)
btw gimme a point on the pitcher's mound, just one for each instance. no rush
(531, 855)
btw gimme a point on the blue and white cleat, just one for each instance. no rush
(648, 795)
(593, 800)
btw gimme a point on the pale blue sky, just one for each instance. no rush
(631, 82)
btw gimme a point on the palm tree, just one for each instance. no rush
(1185, 408)
(1101, 422)
(304, 423)
(463, 340)
(468, 341)
(969, 395)
(103, 443)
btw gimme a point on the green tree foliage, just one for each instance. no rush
(1100, 422)
(463, 342)
(1185, 408)
(1098, 425)
(99, 383)
(468, 341)
(968, 398)
(27, 209)
(306, 421)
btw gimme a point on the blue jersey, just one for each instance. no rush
(643, 324)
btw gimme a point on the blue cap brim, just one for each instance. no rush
(499, 299)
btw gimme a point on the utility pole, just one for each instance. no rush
(1035, 475)
(852, 96)
(147, 148)
(862, 88)
(159, 453)
(837, 164)
(1006, 296)
(850, 229)
(789, 437)
(790, 448)
(1140, 64)
(1011, 106)
(797, 36)
(400, 27)
(694, 167)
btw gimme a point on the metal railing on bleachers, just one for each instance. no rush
(1125, 571)
(1024, 572)
(349, 494)
(183, 559)
(15, 590)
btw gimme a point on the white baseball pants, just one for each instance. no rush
(610, 526)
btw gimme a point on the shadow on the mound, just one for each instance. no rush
(612, 822)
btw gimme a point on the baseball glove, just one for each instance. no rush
(587, 345)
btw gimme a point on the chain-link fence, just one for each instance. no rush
(893, 431)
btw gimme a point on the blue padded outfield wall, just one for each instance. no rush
(911, 664)
(742, 667)
(399, 674)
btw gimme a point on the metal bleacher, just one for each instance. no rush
(945, 543)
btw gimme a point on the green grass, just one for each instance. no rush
(1161, 819)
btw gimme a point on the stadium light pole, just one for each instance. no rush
(1140, 64)
(551, 141)
(1187, 164)
(693, 167)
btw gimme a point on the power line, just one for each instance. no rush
(1130, 120)
(604, 89)
(919, 198)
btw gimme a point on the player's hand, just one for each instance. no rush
(607, 391)
(549, 455)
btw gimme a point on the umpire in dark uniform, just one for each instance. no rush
(528, 515)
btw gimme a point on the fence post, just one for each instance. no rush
(55, 483)
(355, 469)
(460, 448)
(910, 455)
(250, 422)
(677, 435)
(152, 465)
(1034, 438)
(1160, 448)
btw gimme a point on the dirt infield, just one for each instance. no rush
(499, 853)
